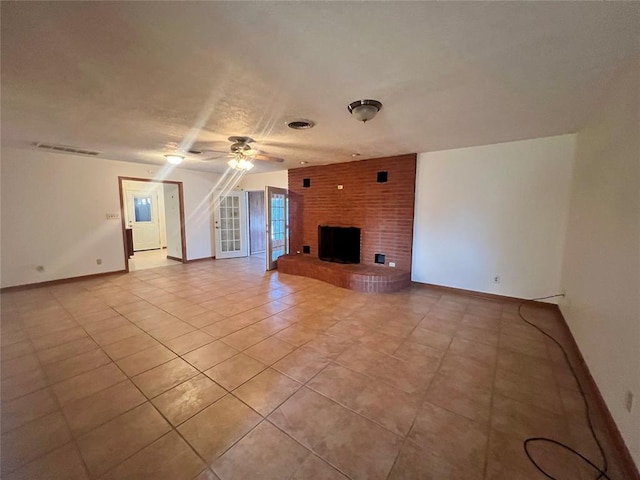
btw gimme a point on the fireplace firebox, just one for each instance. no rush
(339, 244)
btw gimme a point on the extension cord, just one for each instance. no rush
(602, 472)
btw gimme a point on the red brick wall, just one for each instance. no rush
(383, 211)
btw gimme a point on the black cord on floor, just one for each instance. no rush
(602, 472)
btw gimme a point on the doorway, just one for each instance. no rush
(145, 217)
(231, 225)
(257, 232)
(264, 234)
(152, 217)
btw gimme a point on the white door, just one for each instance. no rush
(277, 207)
(142, 210)
(231, 226)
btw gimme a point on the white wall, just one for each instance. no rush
(257, 181)
(172, 219)
(54, 210)
(495, 210)
(602, 254)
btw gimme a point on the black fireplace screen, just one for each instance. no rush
(339, 244)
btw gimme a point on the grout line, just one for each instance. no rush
(310, 449)
(301, 296)
(61, 413)
(149, 400)
(491, 398)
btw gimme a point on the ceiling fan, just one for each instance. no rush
(241, 154)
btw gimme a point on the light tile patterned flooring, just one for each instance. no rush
(220, 370)
(145, 259)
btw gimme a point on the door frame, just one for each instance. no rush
(273, 265)
(264, 223)
(183, 238)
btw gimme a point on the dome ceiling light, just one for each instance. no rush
(301, 124)
(364, 110)
(174, 159)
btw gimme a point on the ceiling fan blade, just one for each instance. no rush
(268, 158)
(218, 156)
(221, 152)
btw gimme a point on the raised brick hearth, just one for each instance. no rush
(359, 277)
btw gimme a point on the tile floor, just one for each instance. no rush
(150, 259)
(220, 370)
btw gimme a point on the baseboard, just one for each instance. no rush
(174, 258)
(201, 259)
(59, 281)
(483, 295)
(628, 464)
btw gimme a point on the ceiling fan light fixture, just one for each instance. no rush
(364, 110)
(240, 164)
(174, 159)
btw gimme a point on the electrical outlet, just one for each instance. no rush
(340, 187)
(99, 261)
(496, 279)
(392, 264)
(113, 216)
(628, 401)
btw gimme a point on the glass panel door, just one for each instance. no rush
(143, 219)
(277, 206)
(231, 226)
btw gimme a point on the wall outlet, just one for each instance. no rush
(496, 279)
(628, 401)
(340, 187)
(113, 216)
(99, 261)
(392, 264)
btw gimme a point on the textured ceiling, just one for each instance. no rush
(135, 80)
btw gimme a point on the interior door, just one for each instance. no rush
(277, 210)
(142, 212)
(257, 234)
(231, 226)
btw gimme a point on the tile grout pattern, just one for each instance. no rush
(220, 370)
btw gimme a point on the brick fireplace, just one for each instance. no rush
(376, 196)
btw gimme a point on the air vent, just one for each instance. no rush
(300, 124)
(66, 149)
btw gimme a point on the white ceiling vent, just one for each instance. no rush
(66, 149)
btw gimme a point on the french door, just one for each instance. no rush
(277, 214)
(231, 226)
